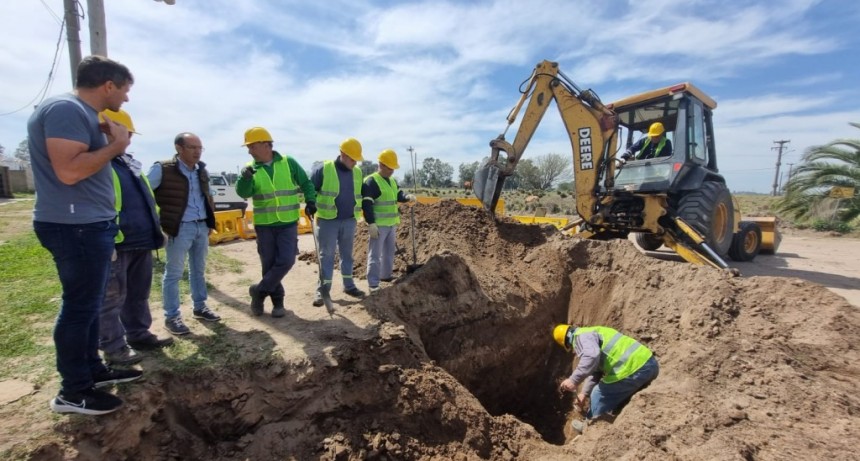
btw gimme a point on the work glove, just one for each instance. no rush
(248, 172)
(410, 199)
(310, 209)
(373, 230)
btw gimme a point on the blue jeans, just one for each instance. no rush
(125, 314)
(82, 254)
(340, 234)
(277, 247)
(193, 241)
(607, 397)
(380, 255)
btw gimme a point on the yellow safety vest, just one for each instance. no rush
(385, 206)
(326, 208)
(621, 355)
(117, 193)
(276, 198)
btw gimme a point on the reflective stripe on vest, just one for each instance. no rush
(656, 151)
(326, 207)
(621, 355)
(385, 206)
(117, 193)
(276, 198)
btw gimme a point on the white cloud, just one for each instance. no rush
(436, 75)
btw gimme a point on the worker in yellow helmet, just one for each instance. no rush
(380, 196)
(612, 367)
(653, 145)
(338, 186)
(125, 318)
(274, 181)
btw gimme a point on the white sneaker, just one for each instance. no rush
(578, 426)
(374, 289)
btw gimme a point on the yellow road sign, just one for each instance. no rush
(841, 192)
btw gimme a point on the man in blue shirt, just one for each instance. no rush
(181, 186)
(74, 219)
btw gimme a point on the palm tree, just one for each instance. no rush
(836, 164)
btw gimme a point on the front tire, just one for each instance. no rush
(648, 242)
(711, 212)
(746, 243)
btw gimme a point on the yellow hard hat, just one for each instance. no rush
(257, 134)
(559, 333)
(120, 117)
(389, 158)
(352, 148)
(656, 129)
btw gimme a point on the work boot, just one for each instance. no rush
(125, 356)
(257, 299)
(150, 342)
(318, 298)
(278, 307)
(355, 292)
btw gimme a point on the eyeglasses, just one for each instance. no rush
(200, 148)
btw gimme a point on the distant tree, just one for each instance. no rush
(565, 186)
(822, 168)
(552, 168)
(367, 167)
(467, 172)
(2, 150)
(529, 174)
(436, 173)
(22, 153)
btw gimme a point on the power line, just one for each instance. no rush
(43, 91)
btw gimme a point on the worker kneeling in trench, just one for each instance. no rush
(612, 366)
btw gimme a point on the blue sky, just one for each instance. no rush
(442, 76)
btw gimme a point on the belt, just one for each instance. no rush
(196, 220)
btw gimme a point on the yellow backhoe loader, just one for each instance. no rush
(679, 200)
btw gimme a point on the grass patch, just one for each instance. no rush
(29, 302)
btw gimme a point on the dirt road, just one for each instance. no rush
(833, 262)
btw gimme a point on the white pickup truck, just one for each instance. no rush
(225, 195)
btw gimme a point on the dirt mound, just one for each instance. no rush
(458, 363)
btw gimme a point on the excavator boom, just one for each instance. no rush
(592, 128)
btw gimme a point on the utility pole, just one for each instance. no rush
(412, 157)
(73, 28)
(779, 149)
(98, 29)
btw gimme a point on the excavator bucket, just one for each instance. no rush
(487, 185)
(770, 235)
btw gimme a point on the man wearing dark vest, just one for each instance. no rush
(125, 318)
(380, 196)
(338, 186)
(612, 367)
(275, 182)
(653, 145)
(181, 186)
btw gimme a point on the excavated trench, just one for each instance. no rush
(457, 362)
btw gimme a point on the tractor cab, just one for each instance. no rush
(686, 115)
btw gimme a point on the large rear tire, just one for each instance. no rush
(746, 243)
(711, 212)
(648, 242)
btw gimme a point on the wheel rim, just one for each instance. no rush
(721, 217)
(750, 242)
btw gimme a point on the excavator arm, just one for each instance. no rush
(592, 129)
(590, 125)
